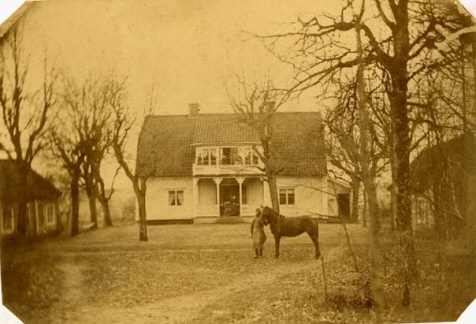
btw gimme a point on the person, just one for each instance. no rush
(257, 233)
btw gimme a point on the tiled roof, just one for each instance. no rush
(37, 186)
(222, 128)
(166, 142)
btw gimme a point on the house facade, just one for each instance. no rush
(41, 201)
(202, 168)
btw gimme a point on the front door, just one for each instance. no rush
(229, 200)
(344, 206)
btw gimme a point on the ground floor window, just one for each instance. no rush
(176, 198)
(50, 213)
(7, 219)
(286, 196)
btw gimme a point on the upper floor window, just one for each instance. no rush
(176, 198)
(226, 156)
(206, 156)
(229, 156)
(250, 156)
(286, 196)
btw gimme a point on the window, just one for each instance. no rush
(50, 213)
(7, 223)
(207, 156)
(176, 198)
(286, 196)
(229, 156)
(251, 158)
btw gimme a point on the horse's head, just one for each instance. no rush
(268, 215)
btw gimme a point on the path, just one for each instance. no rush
(180, 309)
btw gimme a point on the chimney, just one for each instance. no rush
(194, 109)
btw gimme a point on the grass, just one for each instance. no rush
(207, 274)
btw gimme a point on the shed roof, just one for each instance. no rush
(37, 186)
(166, 142)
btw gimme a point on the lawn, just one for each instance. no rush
(207, 274)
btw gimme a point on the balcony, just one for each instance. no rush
(236, 169)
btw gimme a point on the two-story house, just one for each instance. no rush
(203, 168)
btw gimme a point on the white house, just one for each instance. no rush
(201, 168)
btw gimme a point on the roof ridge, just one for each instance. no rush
(231, 114)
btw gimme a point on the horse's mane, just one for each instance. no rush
(271, 213)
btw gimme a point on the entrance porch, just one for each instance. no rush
(227, 197)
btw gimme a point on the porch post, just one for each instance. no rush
(218, 181)
(195, 197)
(263, 191)
(240, 183)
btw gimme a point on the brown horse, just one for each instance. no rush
(289, 227)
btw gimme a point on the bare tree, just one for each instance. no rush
(92, 102)
(70, 151)
(255, 104)
(25, 113)
(124, 121)
(401, 49)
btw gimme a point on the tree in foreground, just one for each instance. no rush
(26, 111)
(399, 38)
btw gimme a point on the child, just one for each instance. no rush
(257, 233)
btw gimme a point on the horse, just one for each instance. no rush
(290, 227)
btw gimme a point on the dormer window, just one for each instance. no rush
(206, 156)
(229, 156)
(250, 156)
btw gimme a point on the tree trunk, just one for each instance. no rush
(104, 200)
(106, 211)
(355, 185)
(273, 190)
(74, 205)
(368, 178)
(140, 190)
(364, 212)
(398, 104)
(93, 214)
(398, 70)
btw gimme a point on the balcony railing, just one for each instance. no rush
(226, 169)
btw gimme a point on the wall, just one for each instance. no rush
(309, 194)
(157, 198)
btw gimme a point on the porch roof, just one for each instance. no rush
(166, 142)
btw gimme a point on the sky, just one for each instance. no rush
(186, 51)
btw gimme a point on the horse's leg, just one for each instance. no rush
(276, 243)
(314, 235)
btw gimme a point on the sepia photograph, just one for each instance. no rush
(252, 161)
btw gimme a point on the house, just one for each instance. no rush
(41, 196)
(439, 182)
(202, 168)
